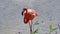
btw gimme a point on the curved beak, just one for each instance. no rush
(22, 13)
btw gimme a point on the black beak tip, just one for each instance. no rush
(22, 13)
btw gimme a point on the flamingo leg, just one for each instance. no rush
(30, 25)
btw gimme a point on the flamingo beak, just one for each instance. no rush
(22, 13)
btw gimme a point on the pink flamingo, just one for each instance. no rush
(29, 15)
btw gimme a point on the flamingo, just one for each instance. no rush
(29, 14)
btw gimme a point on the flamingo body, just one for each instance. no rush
(29, 15)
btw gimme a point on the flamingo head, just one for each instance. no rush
(24, 9)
